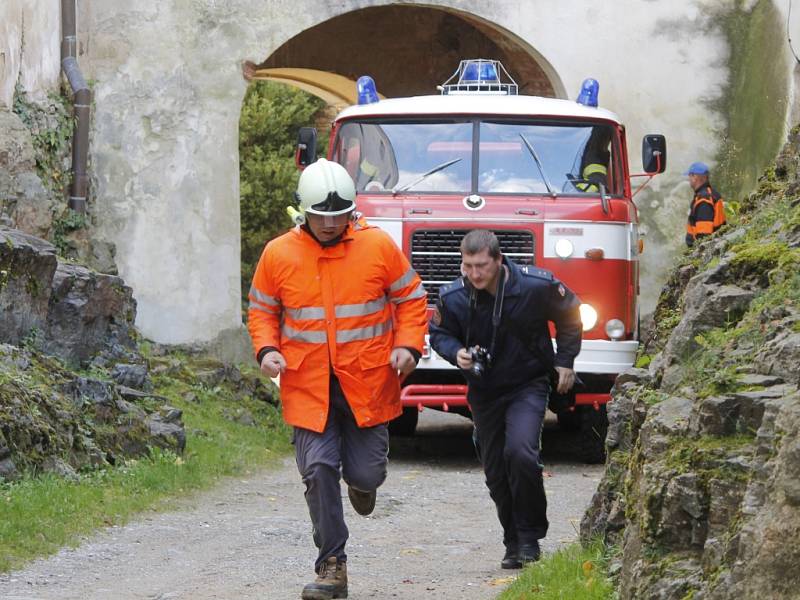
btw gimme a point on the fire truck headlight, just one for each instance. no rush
(615, 329)
(564, 248)
(588, 316)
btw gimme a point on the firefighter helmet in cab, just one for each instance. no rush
(325, 188)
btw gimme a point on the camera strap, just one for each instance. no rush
(497, 309)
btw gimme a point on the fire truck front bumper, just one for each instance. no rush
(601, 357)
(605, 356)
(597, 356)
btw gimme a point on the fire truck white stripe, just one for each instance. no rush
(619, 240)
(394, 227)
(616, 239)
(467, 221)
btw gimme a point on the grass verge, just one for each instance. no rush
(572, 573)
(39, 515)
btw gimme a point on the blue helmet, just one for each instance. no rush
(697, 168)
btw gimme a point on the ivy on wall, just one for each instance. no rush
(51, 124)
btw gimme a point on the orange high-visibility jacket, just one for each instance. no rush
(345, 306)
(706, 213)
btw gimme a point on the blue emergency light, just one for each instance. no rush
(365, 87)
(590, 90)
(480, 71)
(480, 76)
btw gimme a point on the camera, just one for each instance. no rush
(481, 361)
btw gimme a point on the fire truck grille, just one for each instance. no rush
(436, 257)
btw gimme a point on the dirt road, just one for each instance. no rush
(434, 534)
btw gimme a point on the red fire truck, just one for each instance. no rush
(549, 177)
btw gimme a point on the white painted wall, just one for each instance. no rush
(790, 9)
(30, 47)
(165, 151)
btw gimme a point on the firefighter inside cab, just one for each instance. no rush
(594, 162)
(492, 323)
(707, 210)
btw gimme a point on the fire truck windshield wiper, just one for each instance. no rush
(397, 189)
(539, 165)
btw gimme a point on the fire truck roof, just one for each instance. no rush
(476, 104)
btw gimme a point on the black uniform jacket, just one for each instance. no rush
(533, 296)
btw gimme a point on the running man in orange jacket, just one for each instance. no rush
(707, 210)
(337, 310)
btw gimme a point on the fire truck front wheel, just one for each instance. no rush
(569, 420)
(406, 423)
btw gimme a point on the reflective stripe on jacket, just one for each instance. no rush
(346, 306)
(593, 175)
(706, 213)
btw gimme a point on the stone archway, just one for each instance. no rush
(410, 49)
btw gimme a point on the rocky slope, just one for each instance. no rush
(701, 494)
(57, 317)
(75, 390)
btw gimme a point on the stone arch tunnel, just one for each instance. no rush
(433, 41)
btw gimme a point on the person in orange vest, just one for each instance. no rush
(707, 210)
(338, 312)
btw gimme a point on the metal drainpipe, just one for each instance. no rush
(82, 99)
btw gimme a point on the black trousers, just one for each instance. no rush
(508, 430)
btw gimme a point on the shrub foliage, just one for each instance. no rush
(271, 115)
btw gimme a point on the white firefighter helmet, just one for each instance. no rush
(325, 188)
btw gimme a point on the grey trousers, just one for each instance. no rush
(342, 450)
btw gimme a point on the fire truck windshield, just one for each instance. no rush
(576, 158)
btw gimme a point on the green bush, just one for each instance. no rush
(271, 116)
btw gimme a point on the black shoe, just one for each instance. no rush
(363, 502)
(529, 553)
(511, 559)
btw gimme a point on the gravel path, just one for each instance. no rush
(434, 533)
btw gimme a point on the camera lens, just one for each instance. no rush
(479, 357)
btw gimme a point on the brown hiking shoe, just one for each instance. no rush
(331, 582)
(363, 502)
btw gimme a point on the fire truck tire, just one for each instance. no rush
(569, 420)
(594, 426)
(406, 423)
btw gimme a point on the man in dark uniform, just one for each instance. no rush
(504, 309)
(707, 210)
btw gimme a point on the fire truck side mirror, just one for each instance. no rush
(306, 152)
(654, 153)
